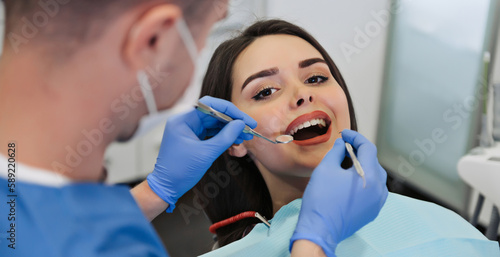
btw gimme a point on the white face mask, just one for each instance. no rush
(155, 116)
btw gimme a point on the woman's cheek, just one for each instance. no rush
(271, 124)
(343, 117)
(346, 115)
(276, 124)
(340, 108)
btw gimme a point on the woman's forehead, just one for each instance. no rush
(273, 51)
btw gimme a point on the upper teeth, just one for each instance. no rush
(314, 122)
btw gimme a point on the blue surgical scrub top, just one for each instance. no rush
(74, 220)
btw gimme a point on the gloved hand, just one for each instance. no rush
(335, 205)
(185, 156)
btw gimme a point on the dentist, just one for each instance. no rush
(76, 76)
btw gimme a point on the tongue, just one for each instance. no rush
(308, 133)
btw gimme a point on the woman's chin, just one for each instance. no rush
(306, 169)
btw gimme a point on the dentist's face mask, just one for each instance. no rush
(155, 116)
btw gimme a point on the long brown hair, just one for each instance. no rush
(234, 185)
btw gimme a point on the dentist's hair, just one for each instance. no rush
(74, 22)
(234, 185)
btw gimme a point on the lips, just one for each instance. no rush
(316, 118)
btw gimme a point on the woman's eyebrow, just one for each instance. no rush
(275, 70)
(309, 62)
(260, 74)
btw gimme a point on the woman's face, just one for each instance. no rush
(284, 83)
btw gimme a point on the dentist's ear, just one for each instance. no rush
(237, 150)
(148, 33)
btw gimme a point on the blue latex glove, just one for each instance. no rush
(335, 204)
(185, 156)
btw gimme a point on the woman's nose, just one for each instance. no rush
(301, 95)
(304, 100)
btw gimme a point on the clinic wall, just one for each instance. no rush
(496, 62)
(354, 33)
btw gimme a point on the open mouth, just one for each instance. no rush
(310, 129)
(306, 128)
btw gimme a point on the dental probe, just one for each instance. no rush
(356, 163)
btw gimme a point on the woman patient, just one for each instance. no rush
(283, 78)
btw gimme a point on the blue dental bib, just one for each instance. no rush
(404, 227)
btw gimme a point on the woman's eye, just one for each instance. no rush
(316, 80)
(266, 92)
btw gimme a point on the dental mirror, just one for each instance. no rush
(281, 139)
(284, 139)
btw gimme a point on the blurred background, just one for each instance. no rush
(418, 72)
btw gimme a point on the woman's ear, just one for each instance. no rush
(237, 150)
(142, 42)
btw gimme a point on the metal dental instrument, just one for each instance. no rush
(281, 139)
(356, 163)
(261, 218)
